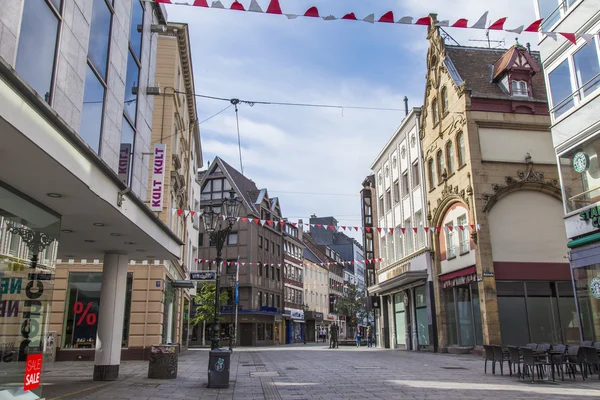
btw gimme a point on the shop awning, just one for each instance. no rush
(458, 274)
(400, 281)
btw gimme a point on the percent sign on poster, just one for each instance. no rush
(90, 318)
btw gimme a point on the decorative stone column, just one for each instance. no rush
(110, 317)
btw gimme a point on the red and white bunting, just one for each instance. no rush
(368, 229)
(388, 17)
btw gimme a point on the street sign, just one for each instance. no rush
(203, 275)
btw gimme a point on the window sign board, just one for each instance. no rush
(203, 275)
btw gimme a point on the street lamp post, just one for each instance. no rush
(218, 234)
(232, 327)
(304, 309)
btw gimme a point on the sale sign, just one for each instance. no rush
(33, 371)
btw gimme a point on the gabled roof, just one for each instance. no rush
(242, 185)
(508, 59)
(475, 66)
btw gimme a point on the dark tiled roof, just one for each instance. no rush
(245, 185)
(475, 66)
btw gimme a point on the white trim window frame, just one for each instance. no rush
(577, 95)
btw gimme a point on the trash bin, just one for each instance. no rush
(218, 368)
(163, 361)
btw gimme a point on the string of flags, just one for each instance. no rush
(262, 264)
(388, 17)
(398, 229)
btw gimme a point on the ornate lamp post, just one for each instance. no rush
(218, 234)
(232, 327)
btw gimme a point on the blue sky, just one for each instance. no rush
(270, 58)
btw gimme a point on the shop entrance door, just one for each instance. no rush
(246, 334)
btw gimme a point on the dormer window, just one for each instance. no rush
(519, 88)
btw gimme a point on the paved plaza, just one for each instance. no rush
(313, 372)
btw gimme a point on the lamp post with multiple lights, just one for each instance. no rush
(213, 222)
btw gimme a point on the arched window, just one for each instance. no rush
(434, 111)
(444, 101)
(440, 165)
(460, 139)
(450, 157)
(431, 173)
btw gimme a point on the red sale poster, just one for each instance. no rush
(33, 371)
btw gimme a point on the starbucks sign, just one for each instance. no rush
(581, 162)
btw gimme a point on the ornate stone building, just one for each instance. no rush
(500, 274)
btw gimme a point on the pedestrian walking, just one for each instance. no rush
(323, 334)
(357, 337)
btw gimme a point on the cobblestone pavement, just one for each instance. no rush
(313, 372)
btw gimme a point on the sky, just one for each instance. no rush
(316, 159)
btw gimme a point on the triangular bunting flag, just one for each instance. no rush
(482, 22)
(350, 16)
(237, 6)
(179, 212)
(472, 227)
(426, 229)
(589, 39)
(517, 30)
(201, 3)
(461, 23)
(403, 230)
(535, 26)
(443, 23)
(461, 227)
(368, 229)
(415, 229)
(332, 227)
(356, 228)
(329, 18)
(391, 230)
(478, 227)
(450, 228)
(405, 20)
(254, 7)
(217, 4)
(282, 223)
(295, 224)
(269, 222)
(291, 16)
(244, 219)
(274, 7)
(424, 21)
(258, 221)
(570, 37)
(370, 18)
(379, 229)
(319, 225)
(312, 12)
(551, 35)
(186, 213)
(343, 227)
(498, 25)
(192, 213)
(438, 229)
(387, 17)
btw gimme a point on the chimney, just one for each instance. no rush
(300, 229)
(405, 106)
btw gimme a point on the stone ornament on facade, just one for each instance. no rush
(387, 171)
(413, 140)
(403, 152)
(394, 162)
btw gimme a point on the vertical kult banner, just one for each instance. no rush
(158, 177)
(124, 164)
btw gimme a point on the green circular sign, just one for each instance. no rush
(581, 162)
(595, 287)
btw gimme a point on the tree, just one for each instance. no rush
(205, 311)
(353, 305)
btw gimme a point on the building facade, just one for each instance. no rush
(572, 73)
(71, 102)
(293, 289)
(260, 306)
(157, 305)
(316, 293)
(404, 278)
(491, 173)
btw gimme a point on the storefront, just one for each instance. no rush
(314, 325)
(406, 320)
(29, 236)
(295, 325)
(255, 327)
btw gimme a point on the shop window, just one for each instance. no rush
(82, 309)
(399, 319)
(260, 331)
(512, 312)
(580, 172)
(36, 51)
(463, 315)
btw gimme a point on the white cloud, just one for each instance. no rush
(270, 58)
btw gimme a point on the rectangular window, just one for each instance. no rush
(260, 242)
(405, 185)
(381, 207)
(136, 28)
(36, 51)
(83, 297)
(450, 246)
(587, 69)
(418, 221)
(92, 110)
(463, 232)
(561, 89)
(232, 239)
(278, 250)
(278, 303)
(259, 299)
(399, 244)
(126, 152)
(416, 175)
(390, 247)
(131, 87)
(410, 241)
(267, 245)
(396, 193)
(388, 200)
